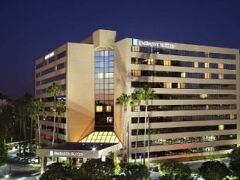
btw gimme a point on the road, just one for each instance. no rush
(19, 170)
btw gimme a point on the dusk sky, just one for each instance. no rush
(30, 29)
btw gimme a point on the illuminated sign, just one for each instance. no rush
(51, 54)
(59, 153)
(138, 42)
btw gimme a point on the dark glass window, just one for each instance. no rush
(230, 66)
(47, 71)
(229, 76)
(222, 56)
(213, 65)
(183, 129)
(159, 119)
(55, 78)
(60, 66)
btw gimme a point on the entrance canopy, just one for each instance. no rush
(79, 150)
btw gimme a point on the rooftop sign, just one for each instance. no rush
(138, 42)
(51, 54)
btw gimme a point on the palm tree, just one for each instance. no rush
(37, 109)
(136, 100)
(147, 94)
(54, 90)
(123, 101)
(60, 109)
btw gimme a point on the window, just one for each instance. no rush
(206, 75)
(180, 85)
(195, 64)
(221, 127)
(60, 66)
(150, 61)
(109, 119)
(167, 85)
(232, 116)
(100, 75)
(220, 76)
(220, 66)
(201, 65)
(135, 48)
(206, 65)
(167, 63)
(183, 74)
(109, 108)
(108, 75)
(136, 72)
(203, 96)
(99, 108)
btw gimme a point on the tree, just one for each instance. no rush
(36, 108)
(21, 106)
(54, 90)
(96, 169)
(175, 170)
(123, 101)
(235, 161)
(147, 94)
(3, 152)
(60, 171)
(60, 109)
(136, 99)
(136, 171)
(214, 170)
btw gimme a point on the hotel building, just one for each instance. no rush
(196, 107)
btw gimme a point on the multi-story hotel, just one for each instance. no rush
(196, 107)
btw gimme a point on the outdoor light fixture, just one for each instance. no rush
(94, 148)
(7, 176)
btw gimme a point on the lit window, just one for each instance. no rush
(150, 61)
(203, 96)
(221, 127)
(135, 108)
(136, 72)
(99, 108)
(167, 63)
(206, 65)
(135, 48)
(108, 108)
(101, 53)
(183, 74)
(106, 53)
(167, 85)
(232, 116)
(108, 75)
(181, 85)
(220, 76)
(207, 75)
(109, 120)
(100, 75)
(220, 66)
(195, 64)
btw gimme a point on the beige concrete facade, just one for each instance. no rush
(215, 102)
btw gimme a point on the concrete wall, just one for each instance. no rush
(80, 91)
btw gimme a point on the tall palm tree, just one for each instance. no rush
(37, 109)
(54, 90)
(147, 94)
(123, 101)
(136, 98)
(60, 109)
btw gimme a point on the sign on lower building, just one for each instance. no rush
(58, 153)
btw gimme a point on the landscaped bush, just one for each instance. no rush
(214, 170)
(175, 170)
